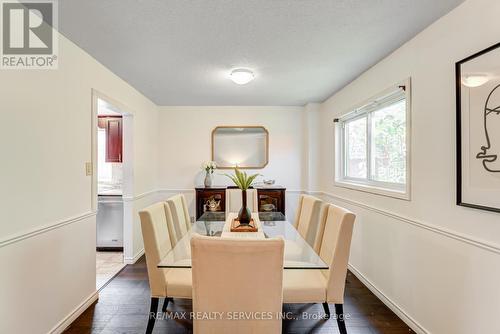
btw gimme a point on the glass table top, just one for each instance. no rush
(298, 253)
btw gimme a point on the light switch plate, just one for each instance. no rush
(88, 168)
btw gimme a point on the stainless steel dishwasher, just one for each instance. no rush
(109, 230)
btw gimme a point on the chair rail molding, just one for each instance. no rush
(46, 228)
(292, 191)
(139, 196)
(168, 190)
(429, 227)
(445, 232)
(297, 191)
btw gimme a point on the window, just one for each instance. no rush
(372, 150)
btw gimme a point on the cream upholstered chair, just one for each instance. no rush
(233, 200)
(237, 275)
(164, 283)
(181, 222)
(326, 286)
(308, 220)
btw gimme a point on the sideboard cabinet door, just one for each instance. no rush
(271, 200)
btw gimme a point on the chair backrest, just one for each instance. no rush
(171, 225)
(321, 227)
(308, 218)
(156, 245)
(180, 215)
(236, 275)
(234, 199)
(335, 249)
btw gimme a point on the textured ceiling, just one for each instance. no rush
(179, 52)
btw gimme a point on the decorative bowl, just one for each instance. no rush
(268, 207)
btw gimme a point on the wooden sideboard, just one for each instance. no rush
(269, 198)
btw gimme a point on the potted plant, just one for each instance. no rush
(243, 181)
(209, 167)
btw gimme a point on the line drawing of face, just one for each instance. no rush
(489, 154)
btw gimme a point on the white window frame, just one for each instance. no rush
(365, 109)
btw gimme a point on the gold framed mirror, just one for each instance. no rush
(245, 147)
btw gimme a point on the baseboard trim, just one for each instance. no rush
(132, 260)
(412, 323)
(46, 228)
(426, 226)
(68, 320)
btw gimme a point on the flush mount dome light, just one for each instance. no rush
(474, 80)
(242, 76)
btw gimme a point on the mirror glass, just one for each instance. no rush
(242, 147)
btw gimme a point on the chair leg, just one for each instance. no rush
(339, 312)
(152, 315)
(327, 310)
(165, 304)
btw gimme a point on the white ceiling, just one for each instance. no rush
(179, 52)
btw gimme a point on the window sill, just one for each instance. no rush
(374, 189)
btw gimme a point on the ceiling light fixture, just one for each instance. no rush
(474, 80)
(242, 76)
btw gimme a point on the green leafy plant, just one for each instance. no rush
(241, 179)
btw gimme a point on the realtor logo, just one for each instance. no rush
(29, 35)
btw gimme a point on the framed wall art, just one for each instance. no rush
(478, 130)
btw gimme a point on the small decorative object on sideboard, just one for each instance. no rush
(268, 207)
(209, 167)
(268, 182)
(213, 205)
(243, 181)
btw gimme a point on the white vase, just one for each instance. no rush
(208, 179)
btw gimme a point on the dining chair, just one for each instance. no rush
(180, 216)
(325, 286)
(234, 200)
(164, 283)
(308, 220)
(237, 275)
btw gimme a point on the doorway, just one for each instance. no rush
(111, 182)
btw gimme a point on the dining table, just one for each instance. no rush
(298, 254)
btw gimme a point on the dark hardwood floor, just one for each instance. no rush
(123, 307)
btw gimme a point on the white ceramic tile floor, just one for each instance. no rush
(107, 265)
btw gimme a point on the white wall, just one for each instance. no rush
(47, 229)
(437, 262)
(47, 232)
(185, 142)
(311, 159)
